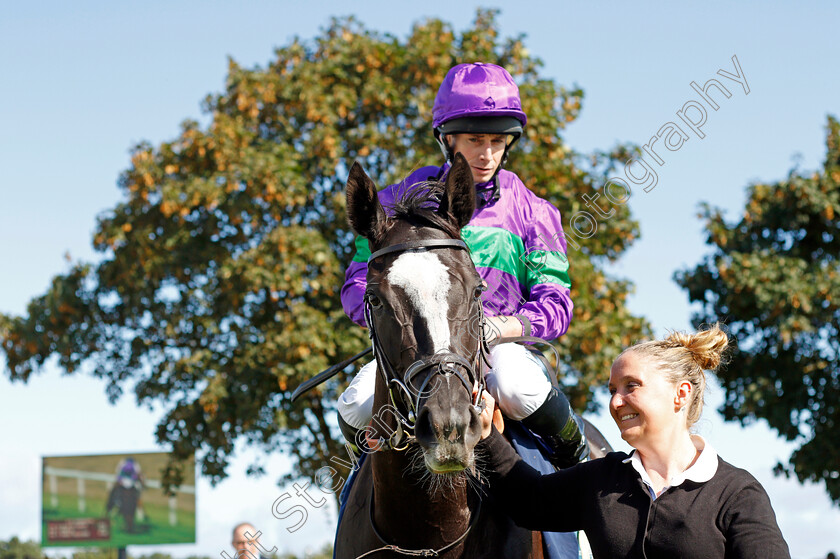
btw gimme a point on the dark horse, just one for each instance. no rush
(420, 494)
(125, 500)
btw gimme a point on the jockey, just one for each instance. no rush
(128, 474)
(516, 242)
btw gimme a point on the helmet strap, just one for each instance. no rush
(496, 190)
(445, 148)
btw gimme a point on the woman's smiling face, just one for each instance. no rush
(643, 403)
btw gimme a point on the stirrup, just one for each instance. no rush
(350, 434)
(560, 428)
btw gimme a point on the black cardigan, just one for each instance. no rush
(728, 516)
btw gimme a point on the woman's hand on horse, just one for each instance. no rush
(487, 414)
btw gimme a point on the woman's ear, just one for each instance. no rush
(682, 396)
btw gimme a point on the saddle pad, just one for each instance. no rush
(345, 491)
(558, 545)
(342, 497)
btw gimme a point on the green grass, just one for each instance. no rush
(157, 522)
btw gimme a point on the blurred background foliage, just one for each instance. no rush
(774, 278)
(217, 288)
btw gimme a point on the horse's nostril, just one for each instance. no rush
(423, 426)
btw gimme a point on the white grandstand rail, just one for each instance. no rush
(81, 476)
(98, 476)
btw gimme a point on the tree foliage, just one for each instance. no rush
(217, 289)
(17, 549)
(774, 277)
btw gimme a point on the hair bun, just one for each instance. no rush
(707, 347)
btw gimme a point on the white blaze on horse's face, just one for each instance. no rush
(425, 281)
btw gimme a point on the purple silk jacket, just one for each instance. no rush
(517, 245)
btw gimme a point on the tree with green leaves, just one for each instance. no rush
(774, 278)
(17, 549)
(216, 293)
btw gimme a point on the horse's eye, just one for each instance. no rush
(479, 290)
(373, 300)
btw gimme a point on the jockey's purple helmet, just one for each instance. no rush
(479, 98)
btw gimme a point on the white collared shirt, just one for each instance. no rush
(700, 472)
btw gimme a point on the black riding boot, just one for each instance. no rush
(351, 435)
(561, 429)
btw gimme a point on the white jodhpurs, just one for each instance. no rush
(355, 405)
(517, 381)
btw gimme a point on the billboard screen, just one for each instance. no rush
(114, 500)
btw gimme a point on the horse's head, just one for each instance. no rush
(423, 306)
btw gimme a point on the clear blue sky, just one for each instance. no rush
(84, 81)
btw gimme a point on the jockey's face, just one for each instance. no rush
(483, 152)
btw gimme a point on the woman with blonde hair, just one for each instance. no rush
(672, 496)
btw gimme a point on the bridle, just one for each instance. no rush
(405, 399)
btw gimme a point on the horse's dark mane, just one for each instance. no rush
(419, 204)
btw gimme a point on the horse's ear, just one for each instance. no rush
(459, 192)
(364, 212)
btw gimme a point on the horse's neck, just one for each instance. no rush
(406, 514)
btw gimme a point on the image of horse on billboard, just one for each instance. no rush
(115, 500)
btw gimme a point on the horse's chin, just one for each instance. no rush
(442, 461)
(445, 469)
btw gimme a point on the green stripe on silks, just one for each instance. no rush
(547, 266)
(362, 250)
(500, 249)
(494, 247)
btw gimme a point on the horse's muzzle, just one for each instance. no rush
(448, 428)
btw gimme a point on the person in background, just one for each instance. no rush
(246, 542)
(672, 496)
